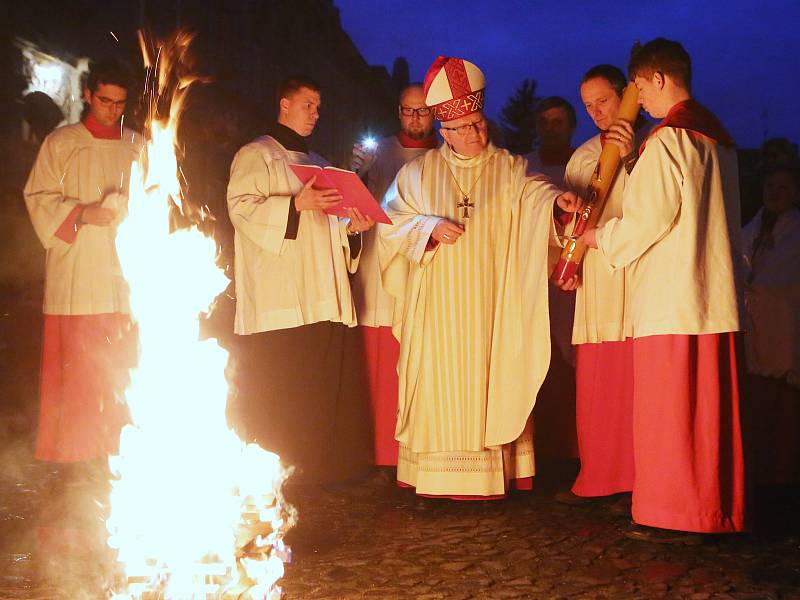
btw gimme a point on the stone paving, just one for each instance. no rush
(374, 540)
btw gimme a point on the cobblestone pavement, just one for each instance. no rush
(374, 540)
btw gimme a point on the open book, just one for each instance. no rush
(354, 193)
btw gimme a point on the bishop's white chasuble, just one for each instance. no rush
(472, 318)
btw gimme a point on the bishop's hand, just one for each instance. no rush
(569, 202)
(447, 232)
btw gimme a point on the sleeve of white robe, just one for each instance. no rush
(47, 206)
(538, 189)
(402, 245)
(650, 205)
(520, 353)
(411, 228)
(254, 213)
(351, 261)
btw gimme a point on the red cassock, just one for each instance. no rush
(687, 438)
(382, 352)
(679, 234)
(604, 417)
(86, 353)
(85, 363)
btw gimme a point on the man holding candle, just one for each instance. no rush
(604, 381)
(678, 237)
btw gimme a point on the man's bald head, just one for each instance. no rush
(415, 125)
(412, 93)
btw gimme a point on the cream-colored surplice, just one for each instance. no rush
(75, 168)
(679, 237)
(600, 299)
(471, 318)
(284, 283)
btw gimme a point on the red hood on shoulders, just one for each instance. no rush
(693, 116)
(407, 141)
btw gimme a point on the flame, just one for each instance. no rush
(195, 512)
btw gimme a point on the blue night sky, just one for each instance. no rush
(745, 55)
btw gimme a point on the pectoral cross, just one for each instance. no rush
(465, 205)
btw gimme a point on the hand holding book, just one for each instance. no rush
(358, 222)
(337, 190)
(311, 198)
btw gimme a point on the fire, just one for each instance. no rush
(195, 512)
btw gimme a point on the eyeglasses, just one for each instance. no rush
(420, 112)
(464, 130)
(108, 102)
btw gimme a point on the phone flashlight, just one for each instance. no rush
(369, 143)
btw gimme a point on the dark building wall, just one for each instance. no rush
(247, 46)
(266, 41)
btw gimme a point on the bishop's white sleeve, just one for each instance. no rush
(539, 190)
(411, 230)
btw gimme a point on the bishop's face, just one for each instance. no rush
(468, 135)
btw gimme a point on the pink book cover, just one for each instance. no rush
(355, 194)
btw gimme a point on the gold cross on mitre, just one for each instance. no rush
(465, 205)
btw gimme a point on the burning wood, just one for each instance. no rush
(216, 530)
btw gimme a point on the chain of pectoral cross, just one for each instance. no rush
(466, 205)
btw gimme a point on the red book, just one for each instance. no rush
(354, 193)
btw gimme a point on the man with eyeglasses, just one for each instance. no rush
(374, 306)
(466, 261)
(299, 388)
(76, 196)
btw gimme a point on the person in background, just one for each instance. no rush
(771, 244)
(374, 306)
(555, 125)
(556, 439)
